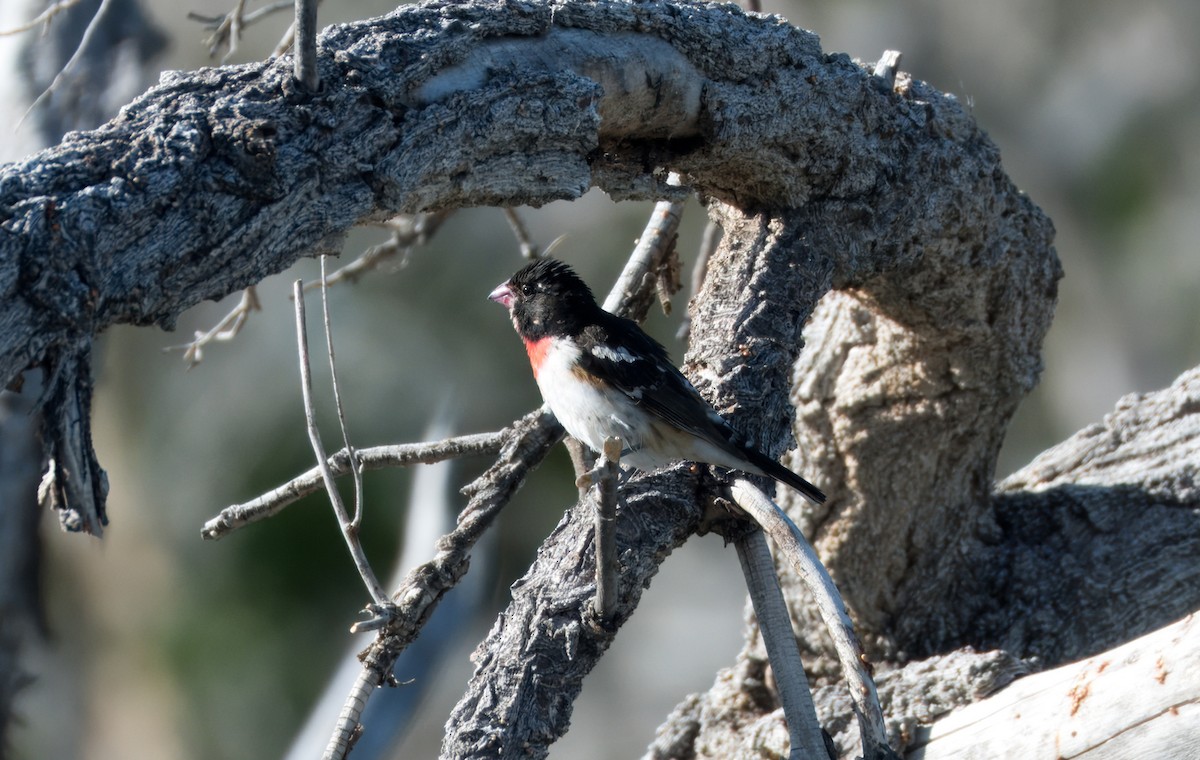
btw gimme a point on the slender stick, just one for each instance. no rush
(305, 55)
(88, 33)
(215, 22)
(378, 595)
(355, 465)
(45, 15)
(225, 330)
(526, 443)
(647, 257)
(407, 232)
(606, 529)
(375, 458)
(235, 31)
(529, 249)
(803, 558)
(782, 651)
(349, 729)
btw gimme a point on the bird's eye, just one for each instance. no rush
(526, 289)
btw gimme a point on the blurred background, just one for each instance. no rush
(162, 645)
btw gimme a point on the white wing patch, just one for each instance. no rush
(611, 354)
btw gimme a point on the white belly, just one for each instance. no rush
(587, 413)
(591, 415)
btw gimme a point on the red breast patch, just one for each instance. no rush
(537, 350)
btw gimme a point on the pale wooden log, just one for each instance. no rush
(1139, 700)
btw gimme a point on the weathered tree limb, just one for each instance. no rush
(821, 176)
(113, 69)
(531, 666)
(215, 179)
(1141, 699)
(1098, 539)
(1095, 542)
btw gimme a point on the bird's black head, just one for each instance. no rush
(545, 298)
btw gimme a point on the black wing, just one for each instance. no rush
(618, 350)
(637, 365)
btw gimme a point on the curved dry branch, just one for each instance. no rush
(770, 610)
(797, 553)
(214, 179)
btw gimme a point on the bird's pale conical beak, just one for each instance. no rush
(502, 295)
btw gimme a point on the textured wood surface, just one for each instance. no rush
(868, 217)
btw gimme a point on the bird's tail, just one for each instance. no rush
(775, 470)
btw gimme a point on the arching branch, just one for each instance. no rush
(821, 175)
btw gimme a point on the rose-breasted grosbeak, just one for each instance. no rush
(603, 376)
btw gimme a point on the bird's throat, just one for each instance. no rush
(537, 350)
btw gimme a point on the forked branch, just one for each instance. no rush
(800, 555)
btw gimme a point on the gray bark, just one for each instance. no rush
(111, 70)
(940, 278)
(1092, 544)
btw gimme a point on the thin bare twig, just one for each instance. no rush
(527, 444)
(708, 245)
(227, 29)
(529, 249)
(605, 476)
(43, 17)
(304, 60)
(84, 42)
(375, 458)
(215, 22)
(782, 650)
(355, 466)
(225, 330)
(378, 595)
(408, 231)
(635, 287)
(651, 251)
(287, 40)
(791, 542)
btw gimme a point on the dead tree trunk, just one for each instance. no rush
(880, 197)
